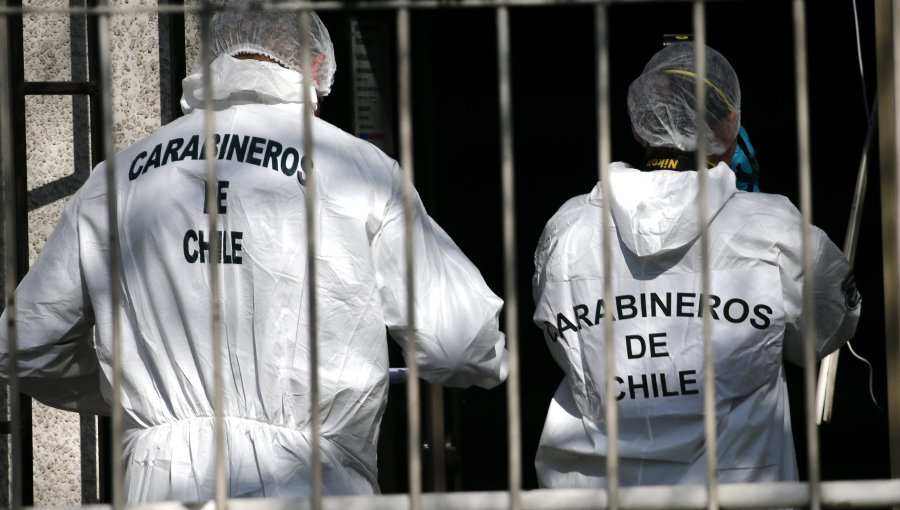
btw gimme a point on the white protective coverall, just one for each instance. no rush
(755, 263)
(166, 336)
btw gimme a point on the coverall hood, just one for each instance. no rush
(657, 212)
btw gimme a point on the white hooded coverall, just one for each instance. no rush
(167, 343)
(756, 277)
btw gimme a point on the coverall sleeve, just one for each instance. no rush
(458, 340)
(57, 363)
(836, 301)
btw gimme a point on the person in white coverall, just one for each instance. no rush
(755, 301)
(167, 344)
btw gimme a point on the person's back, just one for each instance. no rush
(755, 311)
(166, 251)
(264, 303)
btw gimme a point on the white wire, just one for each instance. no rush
(859, 57)
(871, 376)
(862, 77)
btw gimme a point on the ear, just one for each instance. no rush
(726, 129)
(315, 65)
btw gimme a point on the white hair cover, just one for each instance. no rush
(274, 34)
(661, 101)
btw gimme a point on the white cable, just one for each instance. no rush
(866, 104)
(871, 376)
(859, 57)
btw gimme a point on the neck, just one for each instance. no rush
(255, 56)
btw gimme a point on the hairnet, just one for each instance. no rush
(661, 100)
(274, 34)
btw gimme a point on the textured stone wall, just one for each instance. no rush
(58, 152)
(50, 149)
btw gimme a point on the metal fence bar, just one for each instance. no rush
(809, 325)
(215, 282)
(172, 61)
(437, 438)
(332, 6)
(18, 194)
(58, 88)
(413, 399)
(510, 271)
(98, 151)
(312, 249)
(709, 375)
(842, 494)
(604, 158)
(887, 21)
(11, 262)
(115, 270)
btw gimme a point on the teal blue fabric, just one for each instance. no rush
(744, 163)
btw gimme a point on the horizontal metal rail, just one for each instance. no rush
(325, 6)
(844, 494)
(59, 88)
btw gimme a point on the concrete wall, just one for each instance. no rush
(58, 162)
(51, 147)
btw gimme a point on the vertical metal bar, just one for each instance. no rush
(709, 375)
(10, 260)
(611, 406)
(511, 322)
(106, 471)
(307, 166)
(115, 271)
(887, 46)
(438, 435)
(78, 28)
(19, 194)
(89, 430)
(809, 325)
(215, 282)
(172, 61)
(413, 403)
(98, 147)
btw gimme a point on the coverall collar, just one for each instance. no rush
(236, 81)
